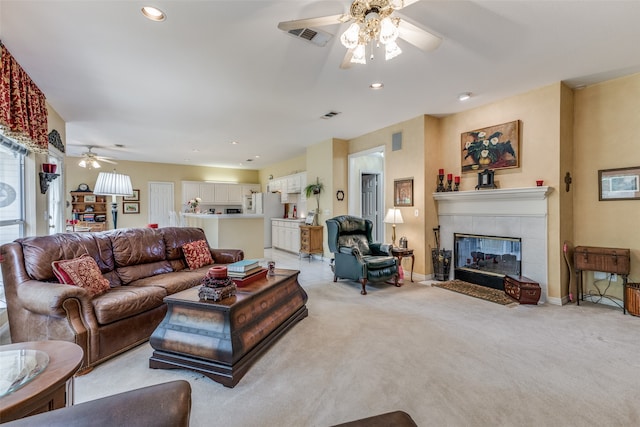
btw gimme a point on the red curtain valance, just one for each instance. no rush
(23, 110)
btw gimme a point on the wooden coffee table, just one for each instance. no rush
(223, 339)
(50, 389)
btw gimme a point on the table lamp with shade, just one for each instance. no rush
(393, 217)
(113, 184)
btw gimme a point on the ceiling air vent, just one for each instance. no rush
(329, 115)
(317, 37)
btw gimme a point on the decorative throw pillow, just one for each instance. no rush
(197, 254)
(83, 272)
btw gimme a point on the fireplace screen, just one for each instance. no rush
(487, 254)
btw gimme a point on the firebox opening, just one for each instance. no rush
(485, 260)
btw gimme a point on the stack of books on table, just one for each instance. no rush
(245, 271)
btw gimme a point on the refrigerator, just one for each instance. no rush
(269, 205)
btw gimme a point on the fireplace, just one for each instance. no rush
(520, 212)
(485, 260)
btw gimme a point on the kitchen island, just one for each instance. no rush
(233, 231)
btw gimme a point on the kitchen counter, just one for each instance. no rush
(232, 231)
(288, 219)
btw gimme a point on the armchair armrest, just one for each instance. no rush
(48, 298)
(381, 248)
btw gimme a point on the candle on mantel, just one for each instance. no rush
(440, 171)
(456, 180)
(449, 176)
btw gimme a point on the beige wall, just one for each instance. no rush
(142, 173)
(607, 126)
(284, 168)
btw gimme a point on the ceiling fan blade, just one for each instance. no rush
(102, 159)
(346, 61)
(399, 4)
(313, 22)
(420, 38)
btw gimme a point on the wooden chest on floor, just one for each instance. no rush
(522, 289)
(609, 260)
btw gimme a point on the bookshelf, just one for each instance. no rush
(89, 209)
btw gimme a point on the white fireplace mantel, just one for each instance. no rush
(502, 201)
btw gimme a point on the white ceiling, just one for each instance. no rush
(181, 90)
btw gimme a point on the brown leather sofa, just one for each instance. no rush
(143, 265)
(160, 405)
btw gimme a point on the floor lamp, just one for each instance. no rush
(394, 216)
(113, 184)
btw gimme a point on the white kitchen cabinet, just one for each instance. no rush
(227, 193)
(190, 190)
(207, 192)
(293, 183)
(286, 235)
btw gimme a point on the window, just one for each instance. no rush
(12, 219)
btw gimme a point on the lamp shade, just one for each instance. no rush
(113, 184)
(394, 216)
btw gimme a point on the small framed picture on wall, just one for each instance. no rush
(131, 207)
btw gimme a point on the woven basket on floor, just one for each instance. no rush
(633, 298)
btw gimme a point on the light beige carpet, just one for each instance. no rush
(445, 358)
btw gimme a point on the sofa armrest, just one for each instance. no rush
(167, 404)
(226, 256)
(47, 298)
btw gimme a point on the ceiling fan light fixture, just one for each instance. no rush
(388, 31)
(391, 50)
(82, 163)
(95, 164)
(359, 55)
(350, 37)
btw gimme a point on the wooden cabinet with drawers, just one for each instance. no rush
(311, 240)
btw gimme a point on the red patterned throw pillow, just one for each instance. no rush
(83, 272)
(197, 254)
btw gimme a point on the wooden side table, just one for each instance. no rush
(404, 253)
(50, 389)
(311, 240)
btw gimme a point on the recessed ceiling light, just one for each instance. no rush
(257, 157)
(153, 13)
(376, 86)
(234, 143)
(464, 96)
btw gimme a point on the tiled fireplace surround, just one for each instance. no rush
(509, 212)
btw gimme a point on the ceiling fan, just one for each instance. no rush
(90, 159)
(373, 22)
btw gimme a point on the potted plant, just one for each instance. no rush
(315, 190)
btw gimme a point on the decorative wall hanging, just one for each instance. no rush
(56, 140)
(619, 184)
(403, 192)
(494, 147)
(130, 207)
(340, 195)
(135, 197)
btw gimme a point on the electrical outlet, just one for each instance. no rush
(614, 277)
(599, 275)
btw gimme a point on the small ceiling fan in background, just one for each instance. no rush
(90, 160)
(373, 23)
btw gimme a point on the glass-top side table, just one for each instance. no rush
(18, 367)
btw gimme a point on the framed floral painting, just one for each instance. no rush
(403, 192)
(493, 147)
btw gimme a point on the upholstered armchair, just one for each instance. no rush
(357, 257)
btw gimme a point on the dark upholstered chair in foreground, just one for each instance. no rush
(390, 419)
(357, 257)
(167, 404)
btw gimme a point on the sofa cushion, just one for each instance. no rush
(197, 254)
(126, 301)
(174, 239)
(40, 251)
(138, 253)
(83, 272)
(175, 281)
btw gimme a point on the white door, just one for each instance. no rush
(370, 201)
(160, 203)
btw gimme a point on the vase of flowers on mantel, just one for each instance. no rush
(194, 205)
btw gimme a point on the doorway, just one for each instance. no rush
(366, 179)
(160, 203)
